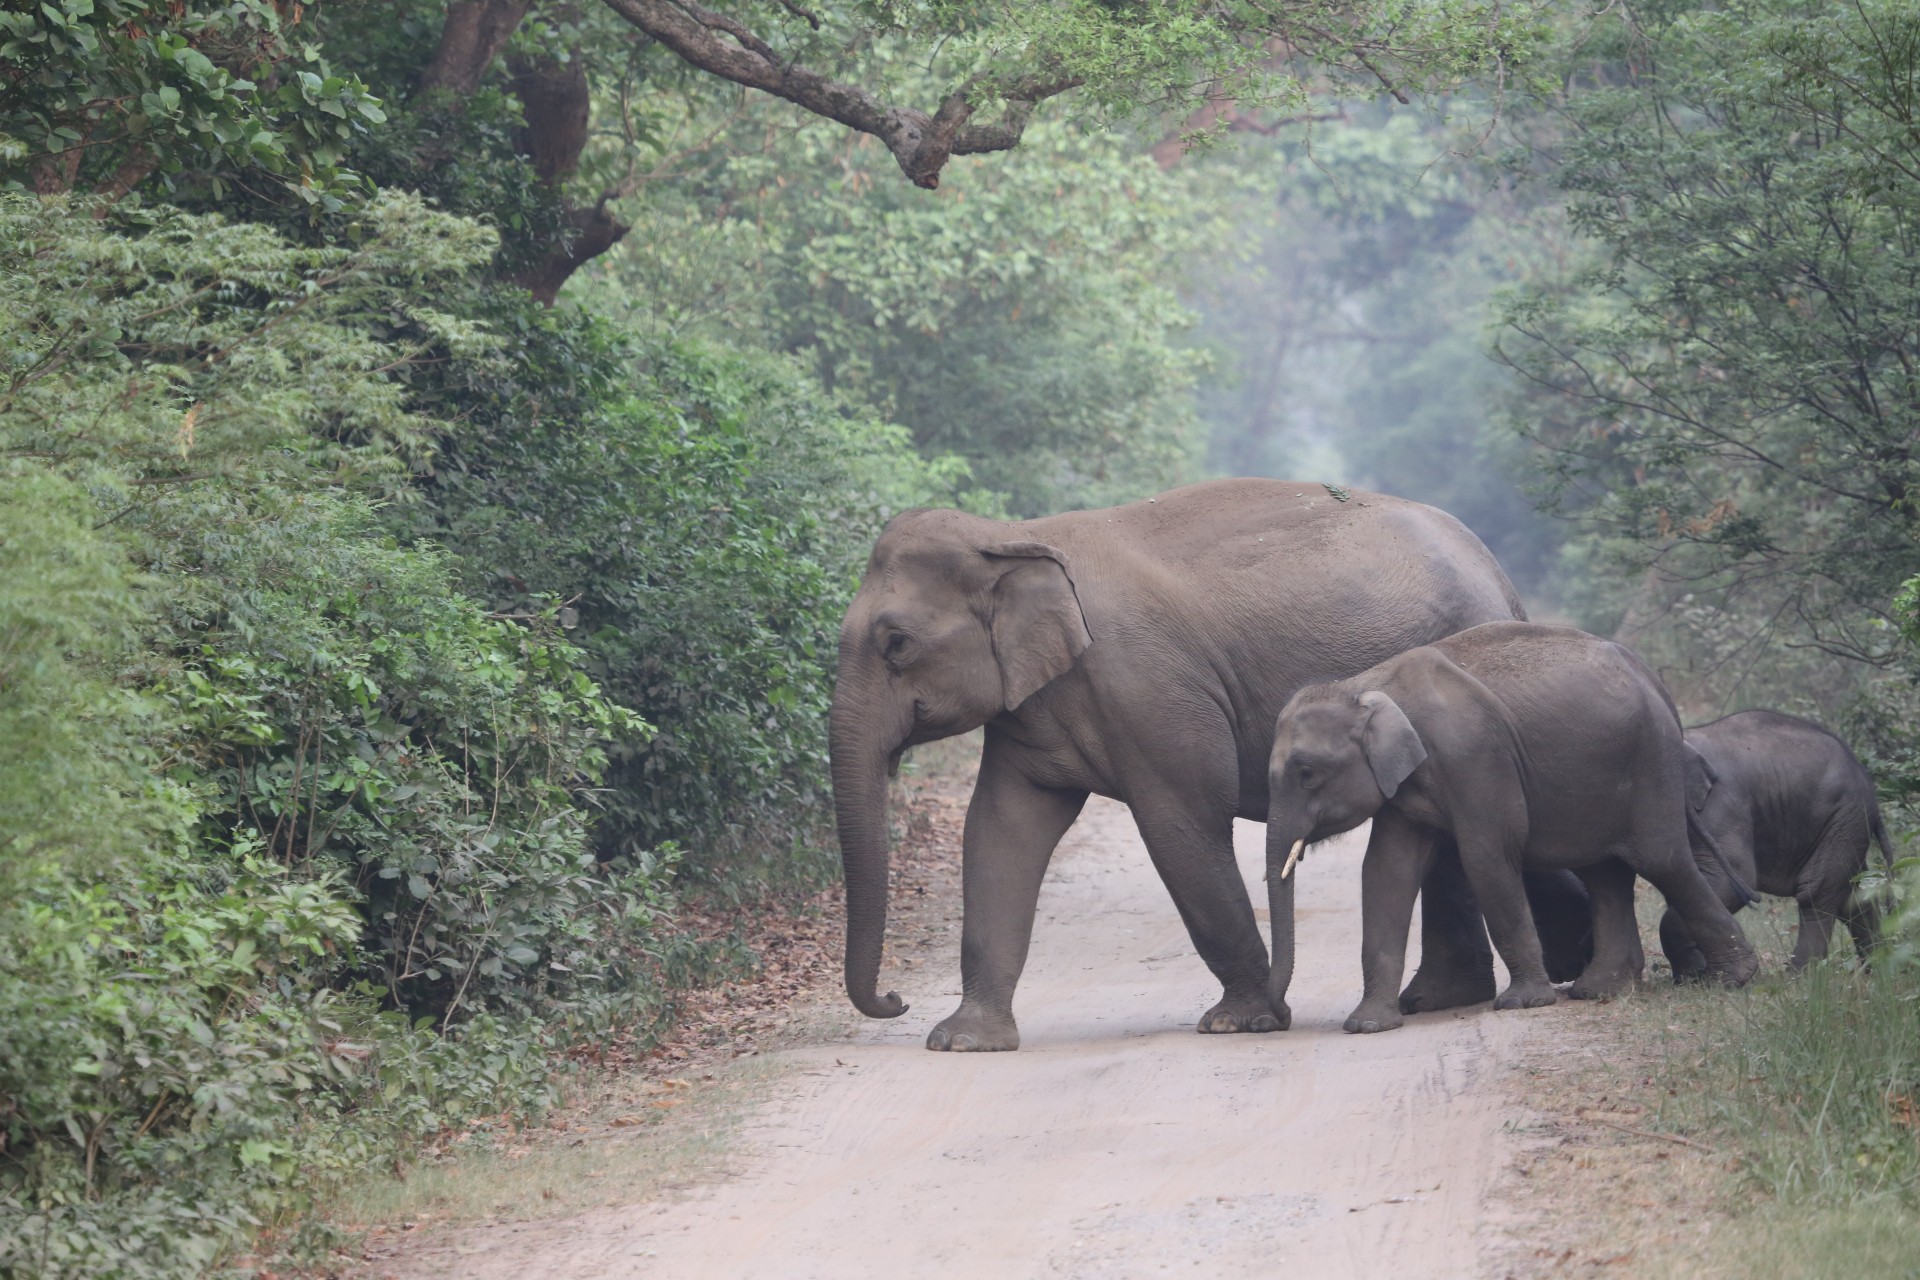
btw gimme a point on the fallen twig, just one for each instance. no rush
(1648, 1133)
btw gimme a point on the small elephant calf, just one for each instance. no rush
(1524, 746)
(1791, 810)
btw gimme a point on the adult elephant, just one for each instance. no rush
(1142, 652)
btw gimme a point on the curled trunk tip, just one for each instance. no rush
(871, 1003)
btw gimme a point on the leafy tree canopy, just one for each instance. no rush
(1732, 390)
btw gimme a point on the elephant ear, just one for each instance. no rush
(1700, 778)
(1038, 628)
(1393, 748)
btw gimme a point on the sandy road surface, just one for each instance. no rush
(1116, 1143)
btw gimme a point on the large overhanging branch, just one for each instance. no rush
(921, 143)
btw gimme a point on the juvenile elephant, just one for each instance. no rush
(1529, 746)
(1140, 652)
(1791, 810)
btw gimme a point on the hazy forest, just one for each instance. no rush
(438, 441)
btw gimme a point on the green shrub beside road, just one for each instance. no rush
(295, 804)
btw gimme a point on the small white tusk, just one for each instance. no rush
(1293, 857)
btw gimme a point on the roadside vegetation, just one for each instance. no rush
(437, 442)
(1720, 386)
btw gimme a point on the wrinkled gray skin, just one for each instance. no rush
(1791, 811)
(1530, 746)
(1139, 652)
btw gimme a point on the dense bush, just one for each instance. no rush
(294, 828)
(703, 517)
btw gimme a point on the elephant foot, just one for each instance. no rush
(1567, 958)
(974, 1031)
(1368, 1018)
(1602, 984)
(1527, 995)
(1433, 990)
(1243, 1013)
(1688, 969)
(1737, 971)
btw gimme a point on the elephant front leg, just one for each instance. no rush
(1491, 852)
(1398, 856)
(1012, 827)
(1456, 964)
(1192, 849)
(1729, 959)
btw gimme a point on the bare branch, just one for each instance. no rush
(921, 144)
(801, 11)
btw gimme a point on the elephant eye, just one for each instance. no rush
(896, 645)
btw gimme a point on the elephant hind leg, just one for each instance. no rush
(1816, 933)
(1617, 962)
(1684, 957)
(1730, 959)
(1863, 924)
(1826, 887)
(1563, 913)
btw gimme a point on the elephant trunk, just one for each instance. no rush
(861, 757)
(1284, 846)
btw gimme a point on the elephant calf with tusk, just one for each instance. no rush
(1140, 652)
(1509, 746)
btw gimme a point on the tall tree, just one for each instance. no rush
(1732, 393)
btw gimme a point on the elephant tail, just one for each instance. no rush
(1879, 829)
(1701, 836)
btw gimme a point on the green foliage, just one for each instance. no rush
(1812, 1080)
(1729, 394)
(310, 804)
(101, 93)
(1148, 56)
(335, 698)
(1022, 318)
(703, 516)
(70, 792)
(183, 1064)
(196, 348)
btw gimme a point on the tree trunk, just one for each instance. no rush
(556, 102)
(471, 38)
(598, 231)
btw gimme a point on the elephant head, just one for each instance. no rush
(1338, 756)
(953, 624)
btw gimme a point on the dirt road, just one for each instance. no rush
(1116, 1143)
